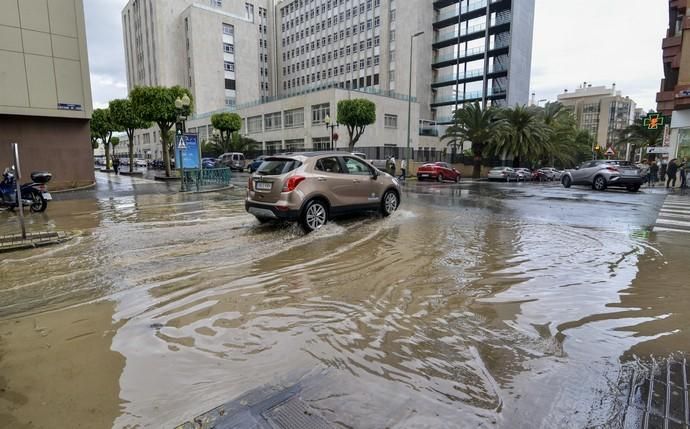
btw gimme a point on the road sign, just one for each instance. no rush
(659, 150)
(190, 151)
(610, 152)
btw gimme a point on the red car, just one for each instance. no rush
(438, 171)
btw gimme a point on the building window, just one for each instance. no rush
(319, 113)
(294, 145)
(229, 66)
(228, 29)
(229, 101)
(390, 121)
(228, 48)
(254, 124)
(230, 84)
(294, 118)
(250, 11)
(217, 3)
(321, 143)
(272, 121)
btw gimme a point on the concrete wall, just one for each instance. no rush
(44, 67)
(61, 146)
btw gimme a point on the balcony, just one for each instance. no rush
(472, 10)
(449, 99)
(499, 24)
(448, 79)
(440, 61)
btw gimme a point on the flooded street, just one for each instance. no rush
(474, 305)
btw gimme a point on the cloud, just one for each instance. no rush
(600, 42)
(106, 51)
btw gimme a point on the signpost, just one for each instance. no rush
(187, 154)
(654, 120)
(17, 177)
(658, 150)
(610, 152)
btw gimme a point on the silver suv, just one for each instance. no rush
(602, 173)
(313, 187)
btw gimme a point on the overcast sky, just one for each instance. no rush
(597, 41)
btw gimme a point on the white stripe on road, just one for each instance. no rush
(674, 215)
(662, 229)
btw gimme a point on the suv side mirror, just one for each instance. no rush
(577, 167)
(374, 174)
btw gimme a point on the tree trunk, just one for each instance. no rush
(130, 143)
(477, 170)
(106, 146)
(166, 152)
(351, 147)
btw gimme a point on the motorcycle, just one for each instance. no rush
(33, 194)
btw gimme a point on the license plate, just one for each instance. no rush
(262, 186)
(47, 196)
(425, 175)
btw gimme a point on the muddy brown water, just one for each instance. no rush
(461, 310)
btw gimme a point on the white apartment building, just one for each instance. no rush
(241, 55)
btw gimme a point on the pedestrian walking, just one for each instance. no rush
(672, 171)
(116, 165)
(391, 166)
(662, 171)
(403, 169)
(683, 173)
(653, 174)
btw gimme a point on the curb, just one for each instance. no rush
(208, 191)
(81, 188)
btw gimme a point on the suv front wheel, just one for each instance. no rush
(389, 203)
(599, 183)
(314, 216)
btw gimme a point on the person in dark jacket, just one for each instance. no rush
(116, 165)
(672, 171)
(653, 173)
(683, 173)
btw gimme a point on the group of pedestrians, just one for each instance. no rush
(660, 171)
(391, 167)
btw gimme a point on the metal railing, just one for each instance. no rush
(473, 95)
(205, 178)
(471, 7)
(467, 53)
(451, 77)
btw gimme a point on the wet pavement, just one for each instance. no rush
(475, 305)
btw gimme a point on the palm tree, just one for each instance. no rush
(639, 136)
(569, 145)
(522, 134)
(476, 125)
(236, 143)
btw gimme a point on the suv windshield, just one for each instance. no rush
(277, 166)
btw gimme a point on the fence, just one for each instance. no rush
(385, 152)
(205, 178)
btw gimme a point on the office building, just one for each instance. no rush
(236, 56)
(601, 110)
(673, 99)
(45, 91)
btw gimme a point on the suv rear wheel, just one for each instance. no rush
(566, 181)
(389, 203)
(314, 216)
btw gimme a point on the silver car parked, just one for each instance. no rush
(602, 173)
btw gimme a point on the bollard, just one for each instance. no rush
(17, 177)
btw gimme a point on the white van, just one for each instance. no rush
(234, 160)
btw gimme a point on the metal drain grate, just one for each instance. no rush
(657, 396)
(295, 414)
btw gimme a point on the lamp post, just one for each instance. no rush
(409, 103)
(331, 126)
(181, 105)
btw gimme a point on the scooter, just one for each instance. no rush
(34, 194)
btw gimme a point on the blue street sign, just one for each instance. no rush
(188, 146)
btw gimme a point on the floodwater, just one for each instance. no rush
(475, 305)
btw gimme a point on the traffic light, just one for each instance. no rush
(597, 148)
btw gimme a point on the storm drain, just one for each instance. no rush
(262, 408)
(656, 396)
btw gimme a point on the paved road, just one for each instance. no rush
(476, 303)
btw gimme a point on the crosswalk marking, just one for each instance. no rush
(674, 216)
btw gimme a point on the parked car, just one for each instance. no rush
(209, 162)
(313, 187)
(602, 173)
(234, 160)
(254, 165)
(502, 173)
(550, 173)
(523, 174)
(438, 171)
(140, 163)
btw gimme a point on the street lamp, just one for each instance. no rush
(409, 104)
(331, 126)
